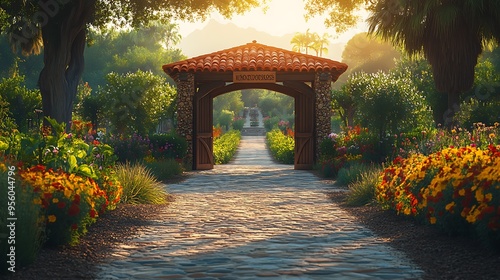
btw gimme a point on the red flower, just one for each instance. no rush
(95, 142)
(74, 226)
(61, 205)
(74, 210)
(399, 206)
(77, 199)
(93, 213)
(39, 167)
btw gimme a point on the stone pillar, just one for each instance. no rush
(322, 87)
(185, 96)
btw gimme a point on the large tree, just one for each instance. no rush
(451, 34)
(59, 29)
(369, 54)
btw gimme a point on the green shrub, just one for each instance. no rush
(7, 124)
(164, 169)
(139, 185)
(362, 191)
(238, 124)
(135, 102)
(282, 147)
(29, 225)
(129, 148)
(225, 119)
(168, 146)
(226, 146)
(405, 109)
(271, 123)
(22, 101)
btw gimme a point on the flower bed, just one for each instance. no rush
(70, 202)
(457, 189)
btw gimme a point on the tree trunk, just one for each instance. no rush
(64, 38)
(453, 109)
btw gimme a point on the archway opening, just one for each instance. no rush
(304, 157)
(253, 112)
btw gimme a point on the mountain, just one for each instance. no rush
(216, 36)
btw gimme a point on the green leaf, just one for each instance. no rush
(86, 171)
(72, 163)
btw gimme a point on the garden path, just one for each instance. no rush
(255, 218)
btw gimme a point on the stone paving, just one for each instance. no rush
(256, 219)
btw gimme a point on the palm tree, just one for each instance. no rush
(320, 43)
(451, 35)
(303, 41)
(298, 42)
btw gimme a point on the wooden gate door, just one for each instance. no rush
(304, 132)
(203, 148)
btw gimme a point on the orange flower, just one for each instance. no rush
(52, 218)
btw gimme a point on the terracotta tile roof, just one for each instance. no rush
(259, 57)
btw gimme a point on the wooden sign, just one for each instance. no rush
(252, 77)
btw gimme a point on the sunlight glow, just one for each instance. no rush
(282, 17)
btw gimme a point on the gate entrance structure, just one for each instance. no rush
(304, 77)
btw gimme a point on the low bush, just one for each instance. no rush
(168, 146)
(225, 146)
(139, 185)
(164, 169)
(132, 148)
(282, 147)
(352, 173)
(238, 123)
(271, 123)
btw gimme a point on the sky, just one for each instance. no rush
(282, 17)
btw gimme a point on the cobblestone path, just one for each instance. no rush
(255, 219)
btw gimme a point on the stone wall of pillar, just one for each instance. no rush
(322, 88)
(185, 97)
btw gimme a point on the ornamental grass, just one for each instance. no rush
(140, 186)
(362, 190)
(456, 189)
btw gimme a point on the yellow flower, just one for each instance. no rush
(67, 193)
(446, 169)
(55, 200)
(450, 206)
(488, 197)
(52, 218)
(492, 135)
(479, 195)
(432, 220)
(37, 201)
